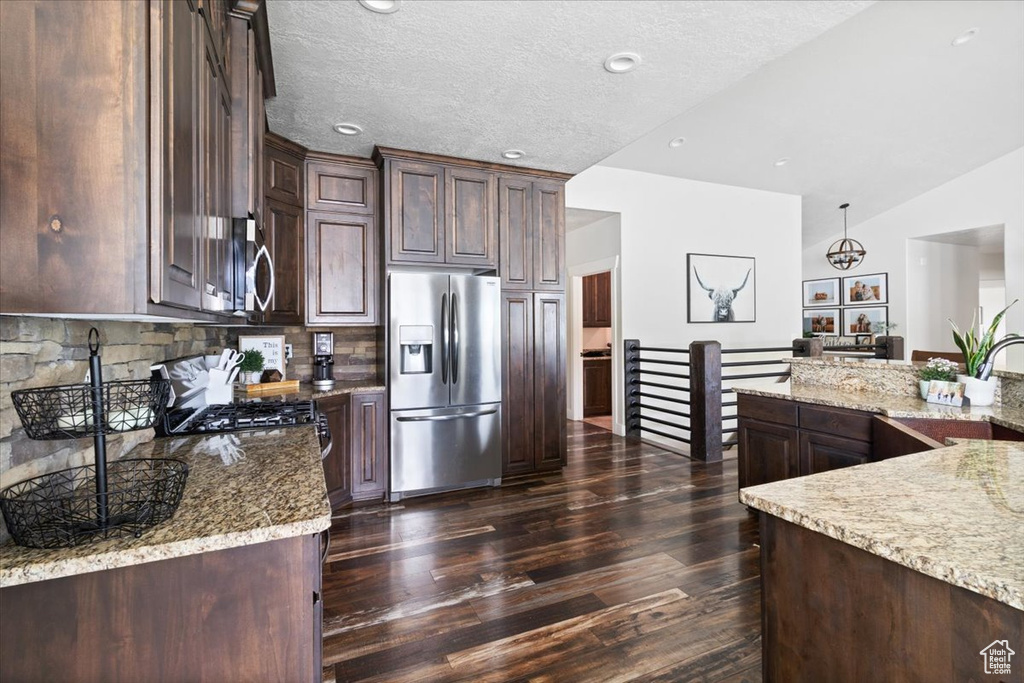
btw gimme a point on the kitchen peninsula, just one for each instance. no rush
(228, 589)
(878, 567)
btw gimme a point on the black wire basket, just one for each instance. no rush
(66, 412)
(59, 510)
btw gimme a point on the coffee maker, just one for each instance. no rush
(323, 360)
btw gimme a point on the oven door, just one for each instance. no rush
(254, 268)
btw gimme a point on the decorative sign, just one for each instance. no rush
(272, 348)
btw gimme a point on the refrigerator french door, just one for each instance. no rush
(444, 371)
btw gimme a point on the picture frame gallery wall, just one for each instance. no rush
(849, 306)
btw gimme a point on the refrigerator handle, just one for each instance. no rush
(444, 338)
(455, 339)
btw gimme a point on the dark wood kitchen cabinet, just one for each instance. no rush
(137, 175)
(369, 452)
(284, 235)
(356, 469)
(781, 439)
(342, 243)
(283, 172)
(241, 614)
(597, 300)
(533, 382)
(531, 233)
(438, 210)
(249, 122)
(597, 386)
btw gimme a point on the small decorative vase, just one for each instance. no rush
(981, 392)
(923, 384)
(254, 376)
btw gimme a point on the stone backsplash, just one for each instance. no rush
(39, 352)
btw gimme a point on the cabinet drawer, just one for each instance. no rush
(850, 424)
(777, 410)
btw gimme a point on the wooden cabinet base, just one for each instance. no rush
(832, 612)
(242, 614)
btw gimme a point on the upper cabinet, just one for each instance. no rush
(283, 175)
(414, 213)
(337, 186)
(531, 231)
(471, 231)
(597, 300)
(122, 203)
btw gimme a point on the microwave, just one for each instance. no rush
(253, 267)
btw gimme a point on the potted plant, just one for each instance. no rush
(939, 369)
(975, 345)
(251, 367)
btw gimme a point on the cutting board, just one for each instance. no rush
(284, 387)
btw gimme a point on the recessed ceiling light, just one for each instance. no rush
(513, 154)
(347, 129)
(965, 37)
(677, 142)
(782, 161)
(381, 6)
(621, 62)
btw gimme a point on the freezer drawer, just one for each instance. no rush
(445, 448)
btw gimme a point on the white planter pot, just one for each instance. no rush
(923, 384)
(254, 377)
(981, 392)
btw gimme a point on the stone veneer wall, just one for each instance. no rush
(39, 352)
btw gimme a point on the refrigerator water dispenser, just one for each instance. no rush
(417, 343)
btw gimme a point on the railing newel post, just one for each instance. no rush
(706, 400)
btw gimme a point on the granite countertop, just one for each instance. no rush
(243, 488)
(955, 513)
(890, 405)
(905, 365)
(589, 358)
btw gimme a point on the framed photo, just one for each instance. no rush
(721, 289)
(272, 348)
(862, 320)
(822, 322)
(821, 292)
(863, 290)
(946, 393)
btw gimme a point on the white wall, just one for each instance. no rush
(940, 277)
(990, 195)
(661, 220)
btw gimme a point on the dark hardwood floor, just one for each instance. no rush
(633, 564)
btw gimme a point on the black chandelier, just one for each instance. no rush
(845, 253)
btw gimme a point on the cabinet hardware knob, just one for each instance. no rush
(56, 224)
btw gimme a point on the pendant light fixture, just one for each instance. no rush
(845, 253)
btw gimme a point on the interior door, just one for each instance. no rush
(418, 368)
(476, 340)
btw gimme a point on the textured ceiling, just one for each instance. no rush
(471, 79)
(874, 112)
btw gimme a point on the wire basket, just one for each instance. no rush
(60, 510)
(66, 412)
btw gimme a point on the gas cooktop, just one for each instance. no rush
(236, 416)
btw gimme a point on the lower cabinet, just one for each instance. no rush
(250, 613)
(533, 382)
(780, 439)
(356, 469)
(597, 387)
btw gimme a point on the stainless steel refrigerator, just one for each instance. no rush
(444, 371)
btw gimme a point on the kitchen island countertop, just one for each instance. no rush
(955, 513)
(243, 488)
(890, 405)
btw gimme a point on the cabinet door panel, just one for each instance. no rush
(368, 447)
(180, 222)
(340, 187)
(515, 232)
(341, 259)
(283, 176)
(597, 387)
(284, 235)
(337, 466)
(416, 212)
(549, 379)
(767, 452)
(824, 452)
(549, 235)
(517, 411)
(471, 229)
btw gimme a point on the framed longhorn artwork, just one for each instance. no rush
(721, 289)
